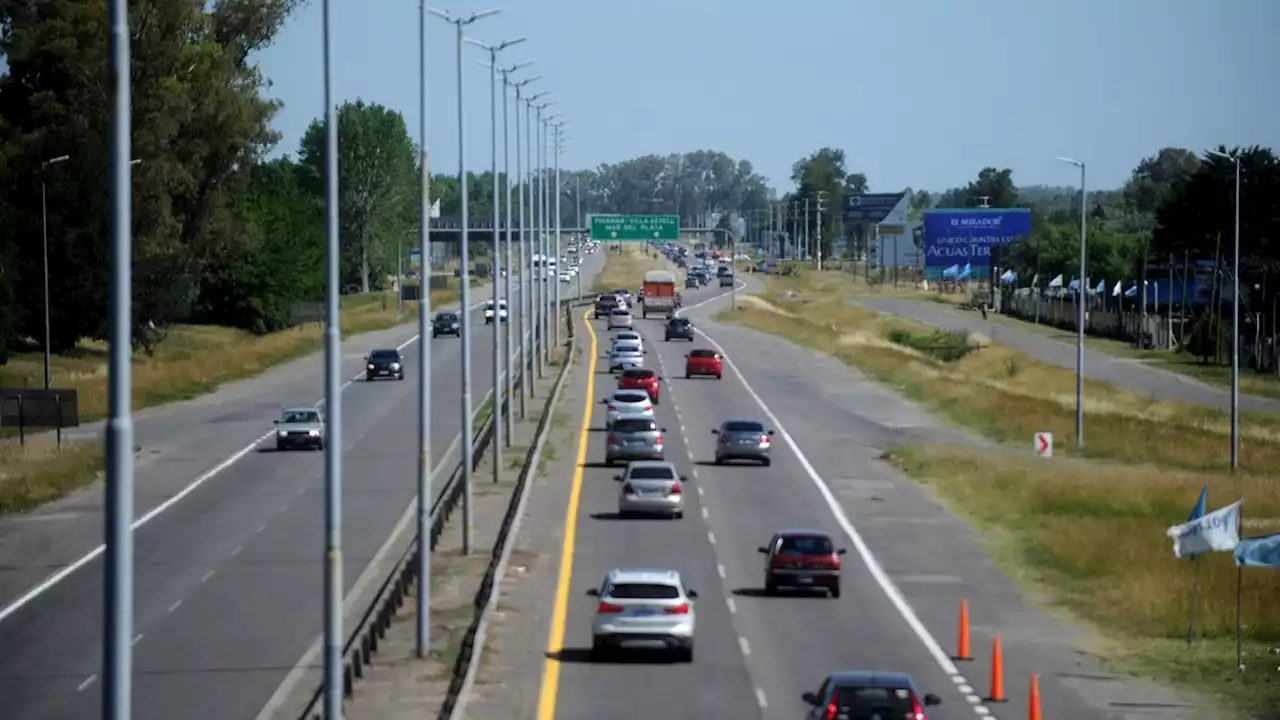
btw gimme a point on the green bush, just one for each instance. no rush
(944, 345)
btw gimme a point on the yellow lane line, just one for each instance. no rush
(555, 639)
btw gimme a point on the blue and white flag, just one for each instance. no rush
(1131, 292)
(1009, 277)
(1056, 282)
(1115, 291)
(1102, 285)
(965, 272)
(951, 271)
(1197, 512)
(1218, 531)
(1073, 284)
(1259, 552)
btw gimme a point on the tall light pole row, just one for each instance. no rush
(1235, 307)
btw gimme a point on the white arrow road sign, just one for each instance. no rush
(613, 234)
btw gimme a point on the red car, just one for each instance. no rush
(703, 362)
(641, 379)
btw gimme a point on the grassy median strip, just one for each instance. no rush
(1086, 532)
(626, 269)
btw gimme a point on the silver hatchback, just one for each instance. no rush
(742, 439)
(625, 355)
(626, 402)
(634, 437)
(651, 487)
(620, 318)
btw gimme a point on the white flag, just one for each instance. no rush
(1218, 531)
(1056, 282)
(1115, 291)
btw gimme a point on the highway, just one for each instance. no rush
(755, 655)
(229, 579)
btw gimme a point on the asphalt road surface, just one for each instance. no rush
(755, 655)
(228, 580)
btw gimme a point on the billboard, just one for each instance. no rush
(966, 237)
(868, 208)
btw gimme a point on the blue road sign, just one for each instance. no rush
(868, 208)
(960, 237)
(415, 256)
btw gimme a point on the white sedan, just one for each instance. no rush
(488, 311)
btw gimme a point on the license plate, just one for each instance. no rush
(746, 442)
(643, 612)
(803, 580)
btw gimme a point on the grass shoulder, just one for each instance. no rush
(1086, 528)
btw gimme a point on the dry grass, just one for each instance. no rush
(627, 268)
(196, 359)
(1087, 532)
(1000, 391)
(1091, 534)
(37, 473)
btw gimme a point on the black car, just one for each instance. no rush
(691, 283)
(446, 323)
(679, 328)
(864, 694)
(605, 304)
(387, 363)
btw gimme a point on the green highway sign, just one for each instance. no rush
(635, 227)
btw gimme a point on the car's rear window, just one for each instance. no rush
(806, 545)
(702, 353)
(651, 473)
(626, 348)
(384, 355)
(634, 426)
(638, 373)
(643, 591)
(606, 298)
(744, 426)
(621, 311)
(860, 702)
(447, 317)
(631, 396)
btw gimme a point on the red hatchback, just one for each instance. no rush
(703, 362)
(802, 559)
(641, 379)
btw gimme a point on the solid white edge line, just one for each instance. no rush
(52, 580)
(891, 591)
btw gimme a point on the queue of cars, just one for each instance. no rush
(656, 606)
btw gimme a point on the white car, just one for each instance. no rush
(630, 337)
(625, 355)
(488, 311)
(643, 607)
(565, 277)
(626, 402)
(620, 318)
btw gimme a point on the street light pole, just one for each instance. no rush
(511, 306)
(44, 230)
(468, 430)
(423, 539)
(1235, 319)
(555, 219)
(498, 319)
(544, 239)
(526, 286)
(531, 363)
(1080, 299)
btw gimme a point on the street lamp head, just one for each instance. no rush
(516, 67)
(532, 98)
(483, 46)
(55, 161)
(526, 81)
(443, 15)
(508, 43)
(1224, 156)
(1071, 161)
(481, 14)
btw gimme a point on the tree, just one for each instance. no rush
(377, 178)
(823, 174)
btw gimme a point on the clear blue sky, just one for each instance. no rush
(919, 93)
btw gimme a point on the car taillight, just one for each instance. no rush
(831, 712)
(647, 407)
(613, 439)
(658, 439)
(675, 489)
(917, 712)
(613, 408)
(777, 562)
(833, 562)
(608, 608)
(678, 610)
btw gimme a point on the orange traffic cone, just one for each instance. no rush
(1034, 713)
(963, 651)
(997, 672)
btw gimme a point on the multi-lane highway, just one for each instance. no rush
(228, 581)
(756, 655)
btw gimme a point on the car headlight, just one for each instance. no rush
(313, 433)
(370, 366)
(453, 326)
(395, 366)
(283, 433)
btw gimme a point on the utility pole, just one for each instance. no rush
(822, 196)
(807, 248)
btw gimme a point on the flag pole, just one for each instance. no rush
(1239, 623)
(1195, 600)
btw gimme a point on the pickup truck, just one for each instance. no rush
(659, 292)
(605, 304)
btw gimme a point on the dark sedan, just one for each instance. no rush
(446, 323)
(386, 363)
(679, 328)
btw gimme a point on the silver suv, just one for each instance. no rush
(634, 437)
(645, 607)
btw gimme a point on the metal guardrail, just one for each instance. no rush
(363, 642)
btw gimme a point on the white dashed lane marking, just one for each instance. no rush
(742, 645)
(137, 639)
(176, 604)
(720, 571)
(704, 517)
(207, 576)
(711, 537)
(87, 682)
(760, 699)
